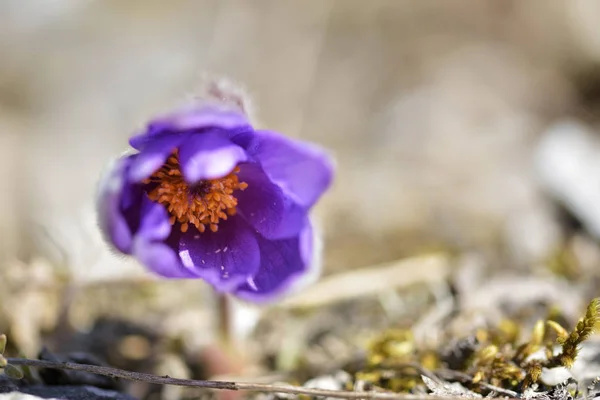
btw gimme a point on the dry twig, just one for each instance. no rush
(219, 385)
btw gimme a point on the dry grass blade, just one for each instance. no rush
(372, 280)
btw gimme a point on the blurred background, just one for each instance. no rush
(466, 128)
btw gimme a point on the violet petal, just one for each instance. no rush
(266, 207)
(160, 259)
(302, 170)
(148, 244)
(225, 258)
(191, 119)
(153, 155)
(110, 218)
(208, 156)
(154, 224)
(282, 264)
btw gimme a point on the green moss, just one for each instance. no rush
(494, 356)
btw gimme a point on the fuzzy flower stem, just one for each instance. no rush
(220, 385)
(224, 321)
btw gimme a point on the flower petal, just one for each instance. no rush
(283, 263)
(266, 207)
(161, 259)
(153, 155)
(148, 242)
(195, 119)
(111, 220)
(208, 156)
(225, 258)
(302, 170)
(154, 222)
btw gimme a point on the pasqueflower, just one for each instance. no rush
(205, 195)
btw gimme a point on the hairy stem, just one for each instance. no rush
(224, 321)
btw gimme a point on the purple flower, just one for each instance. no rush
(208, 196)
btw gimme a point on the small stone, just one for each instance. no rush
(567, 161)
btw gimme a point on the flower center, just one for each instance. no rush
(202, 204)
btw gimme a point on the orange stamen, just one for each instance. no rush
(203, 204)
